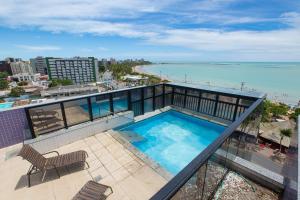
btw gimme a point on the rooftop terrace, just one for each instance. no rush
(110, 164)
(86, 123)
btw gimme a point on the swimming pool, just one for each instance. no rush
(172, 138)
(6, 105)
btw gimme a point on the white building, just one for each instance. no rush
(26, 77)
(21, 67)
(78, 69)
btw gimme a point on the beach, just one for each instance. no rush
(141, 69)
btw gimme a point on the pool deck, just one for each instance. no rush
(110, 163)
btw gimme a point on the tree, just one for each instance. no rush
(16, 92)
(58, 82)
(295, 114)
(65, 82)
(3, 75)
(271, 109)
(23, 83)
(3, 81)
(285, 133)
(101, 69)
(279, 109)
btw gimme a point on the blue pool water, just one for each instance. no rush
(6, 105)
(173, 139)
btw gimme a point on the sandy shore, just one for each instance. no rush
(140, 69)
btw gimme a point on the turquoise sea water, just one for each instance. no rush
(281, 81)
(173, 139)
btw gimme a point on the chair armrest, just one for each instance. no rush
(51, 152)
(111, 191)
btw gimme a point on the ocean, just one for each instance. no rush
(280, 80)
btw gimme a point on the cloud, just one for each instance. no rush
(85, 50)
(38, 48)
(143, 20)
(102, 48)
(277, 44)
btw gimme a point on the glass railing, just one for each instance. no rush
(201, 178)
(62, 114)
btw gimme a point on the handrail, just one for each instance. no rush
(170, 189)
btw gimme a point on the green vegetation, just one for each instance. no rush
(23, 83)
(120, 69)
(295, 114)
(126, 67)
(60, 82)
(3, 81)
(16, 92)
(151, 78)
(273, 110)
(101, 69)
(285, 133)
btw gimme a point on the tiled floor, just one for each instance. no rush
(110, 164)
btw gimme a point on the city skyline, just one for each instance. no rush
(206, 30)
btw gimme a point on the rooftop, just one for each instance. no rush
(110, 164)
(88, 122)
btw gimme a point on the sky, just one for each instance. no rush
(157, 30)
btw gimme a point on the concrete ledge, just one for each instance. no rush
(62, 137)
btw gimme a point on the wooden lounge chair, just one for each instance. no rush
(39, 163)
(93, 191)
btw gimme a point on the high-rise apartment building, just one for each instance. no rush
(80, 70)
(39, 65)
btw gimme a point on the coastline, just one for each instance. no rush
(278, 81)
(139, 69)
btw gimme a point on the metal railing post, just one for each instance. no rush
(163, 96)
(111, 103)
(185, 96)
(142, 101)
(172, 96)
(30, 123)
(236, 108)
(199, 101)
(90, 108)
(62, 107)
(216, 105)
(153, 97)
(129, 100)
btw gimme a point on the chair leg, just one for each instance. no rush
(57, 172)
(44, 175)
(31, 168)
(88, 166)
(28, 179)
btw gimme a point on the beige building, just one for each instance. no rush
(21, 67)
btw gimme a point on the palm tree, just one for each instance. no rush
(285, 132)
